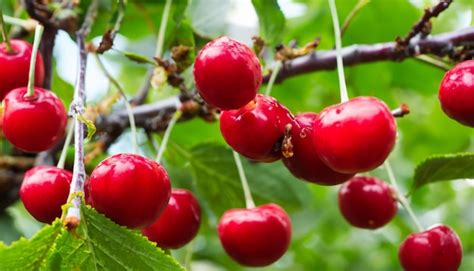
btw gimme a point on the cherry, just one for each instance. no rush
(436, 249)
(256, 130)
(257, 236)
(456, 93)
(178, 224)
(227, 73)
(129, 189)
(14, 67)
(44, 190)
(367, 202)
(355, 136)
(33, 124)
(305, 163)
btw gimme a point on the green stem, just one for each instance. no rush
(67, 142)
(273, 77)
(128, 106)
(162, 32)
(189, 256)
(31, 77)
(434, 62)
(359, 5)
(167, 134)
(17, 21)
(249, 203)
(340, 65)
(5, 36)
(401, 198)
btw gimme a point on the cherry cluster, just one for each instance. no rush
(328, 148)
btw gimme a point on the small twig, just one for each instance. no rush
(422, 23)
(73, 215)
(108, 38)
(142, 93)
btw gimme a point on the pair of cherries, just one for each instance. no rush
(130, 189)
(31, 123)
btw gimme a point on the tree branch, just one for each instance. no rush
(440, 45)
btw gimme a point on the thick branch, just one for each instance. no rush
(440, 45)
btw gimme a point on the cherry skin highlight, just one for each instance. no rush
(456, 93)
(14, 68)
(227, 73)
(255, 237)
(129, 189)
(33, 124)
(436, 249)
(44, 190)
(256, 130)
(178, 224)
(367, 202)
(305, 163)
(355, 136)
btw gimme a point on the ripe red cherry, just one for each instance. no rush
(14, 67)
(44, 190)
(33, 124)
(456, 93)
(227, 73)
(256, 130)
(255, 237)
(367, 202)
(436, 249)
(129, 189)
(355, 136)
(305, 163)
(179, 222)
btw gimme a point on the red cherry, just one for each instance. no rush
(305, 163)
(33, 124)
(178, 224)
(367, 202)
(256, 130)
(436, 249)
(129, 189)
(355, 136)
(14, 68)
(456, 93)
(227, 73)
(255, 237)
(44, 190)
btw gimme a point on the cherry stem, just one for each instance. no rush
(249, 203)
(19, 22)
(67, 142)
(340, 65)
(434, 62)
(273, 77)
(358, 6)
(401, 198)
(167, 134)
(31, 77)
(5, 35)
(189, 256)
(128, 106)
(162, 31)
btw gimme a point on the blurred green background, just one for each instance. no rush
(198, 159)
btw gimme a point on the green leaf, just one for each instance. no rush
(141, 59)
(90, 126)
(444, 168)
(218, 181)
(116, 248)
(209, 17)
(30, 254)
(271, 20)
